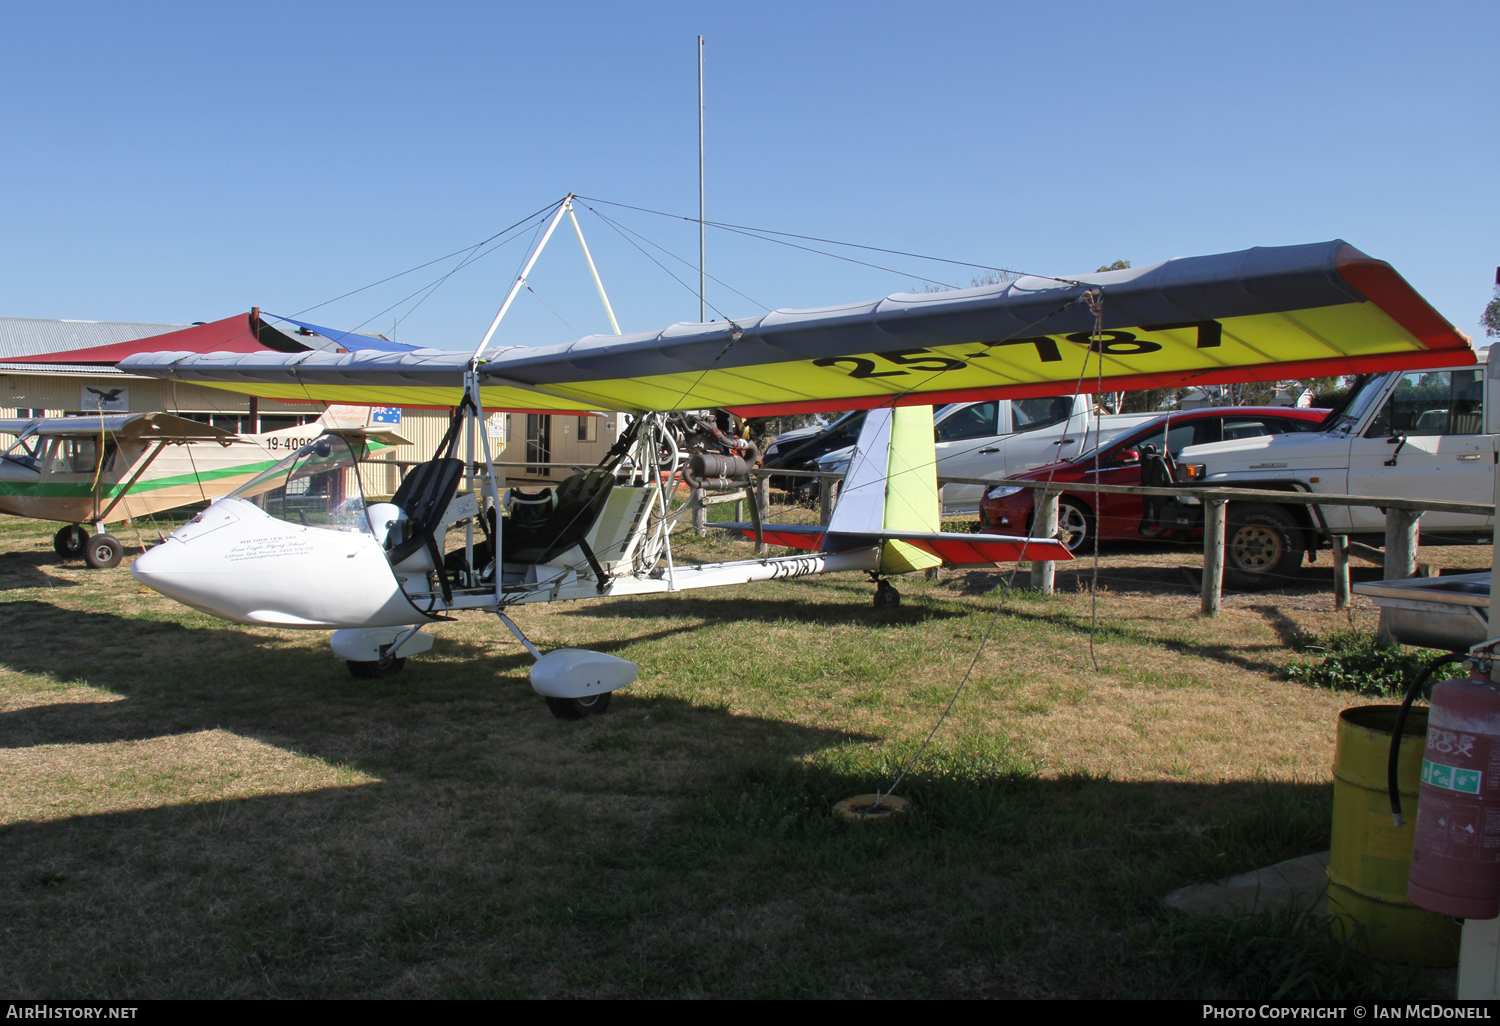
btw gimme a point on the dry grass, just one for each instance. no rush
(189, 808)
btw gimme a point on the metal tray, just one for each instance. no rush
(1449, 613)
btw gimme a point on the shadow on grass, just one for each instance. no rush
(731, 610)
(176, 679)
(1002, 885)
(666, 849)
(1228, 654)
(24, 570)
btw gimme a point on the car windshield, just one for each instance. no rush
(1172, 432)
(1352, 410)
(316, 486)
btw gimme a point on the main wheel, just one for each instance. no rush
(886, 596)
(69, 542)
(1262, 546)
(578, 708)
(1075, 524)
(102, 552)
(371, 669)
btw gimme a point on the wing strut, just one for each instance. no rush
(124, 491)
(565, 207)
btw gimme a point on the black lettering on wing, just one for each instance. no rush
(862, 368)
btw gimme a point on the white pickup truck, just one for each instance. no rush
(1424, 433)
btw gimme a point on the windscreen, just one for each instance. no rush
(26, 451)
(1349, 413)
(316, 486)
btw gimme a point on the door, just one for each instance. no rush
(1120, 464)
(538, 442)
(968, 445)
(1426, 441)
(1045, 430)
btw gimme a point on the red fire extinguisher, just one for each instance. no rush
(1455, 861)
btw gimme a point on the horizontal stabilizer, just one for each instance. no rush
(953, 549)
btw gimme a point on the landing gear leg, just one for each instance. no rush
(885, 595)
(576, 683)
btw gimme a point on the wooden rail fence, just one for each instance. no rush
(1399, 558)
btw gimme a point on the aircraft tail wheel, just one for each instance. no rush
(69, 542)
(578, 708)
(102, 552)
(885, 595)
(372, 669)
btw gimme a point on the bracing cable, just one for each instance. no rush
(833, 242)
(1008, 584)
(429, 263)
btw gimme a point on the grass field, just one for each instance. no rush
(192, 808)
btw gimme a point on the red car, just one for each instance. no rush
(1006, 509)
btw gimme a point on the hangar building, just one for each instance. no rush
(62, 389)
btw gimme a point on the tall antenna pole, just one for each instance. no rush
(702, 313)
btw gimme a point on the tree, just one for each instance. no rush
(1491, 316)
(1118, 265)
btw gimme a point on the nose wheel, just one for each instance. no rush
(374, 668)
(885, 595)
(578, 708)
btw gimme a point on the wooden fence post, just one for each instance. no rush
(1400, 543)
(1400, 559)
(1213, 555)
(1044, 571)
(700, 511)
(761, 496)
(1340, 571)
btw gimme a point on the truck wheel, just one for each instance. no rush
(1262, 547)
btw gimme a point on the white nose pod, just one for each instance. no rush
(253, 568)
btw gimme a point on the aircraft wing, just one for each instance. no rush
(131, 425)
(1312, 310)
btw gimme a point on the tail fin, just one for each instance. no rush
(891, 485)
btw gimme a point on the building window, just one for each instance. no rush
(588, 429)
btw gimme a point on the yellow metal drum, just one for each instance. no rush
(1370, 856)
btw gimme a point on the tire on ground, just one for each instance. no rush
(1076, 521)
(1263, 546)
(578, 708)
(102, 552)
(69, 542)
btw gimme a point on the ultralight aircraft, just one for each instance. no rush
(299, 547)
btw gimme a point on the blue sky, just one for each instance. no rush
(179, 162)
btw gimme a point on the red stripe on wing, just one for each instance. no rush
(958, 551)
